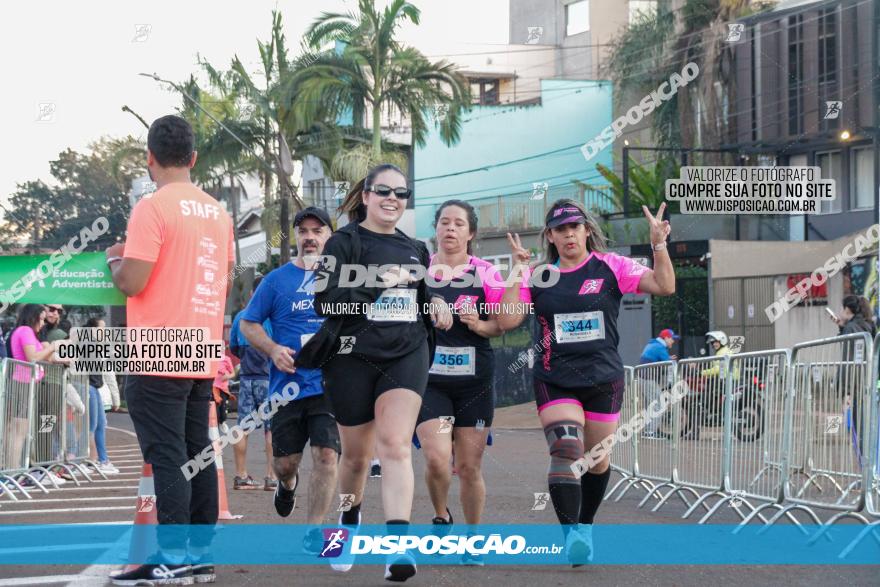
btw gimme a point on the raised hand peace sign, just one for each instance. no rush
(660, 228)
(519, 254)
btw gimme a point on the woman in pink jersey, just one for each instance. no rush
(578, 377)
(460, 394)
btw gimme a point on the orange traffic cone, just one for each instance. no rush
(144, 515)
(214, 435)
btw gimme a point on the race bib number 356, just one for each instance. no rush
(453, 361)
(579, 327)
(394, 305)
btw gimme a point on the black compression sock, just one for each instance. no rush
(592, 492)
(566, 501)
(351, 517)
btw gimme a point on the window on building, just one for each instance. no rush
(577, 17)
(314, 192)
(828, 86)
(795, 74)
(862, 179)
(829, 163)
(639, 9)
(485, 92)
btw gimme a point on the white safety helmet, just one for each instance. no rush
(717, 335)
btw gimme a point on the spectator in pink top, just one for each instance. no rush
(25, 347)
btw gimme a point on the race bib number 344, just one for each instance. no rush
(579, 327)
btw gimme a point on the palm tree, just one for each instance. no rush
(373, 72)
(648, 185)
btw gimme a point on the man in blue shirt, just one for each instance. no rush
(253, 390)
(286, 298)
(656, 351)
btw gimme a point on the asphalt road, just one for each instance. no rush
(514, 468)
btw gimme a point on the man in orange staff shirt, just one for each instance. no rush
(172, 269)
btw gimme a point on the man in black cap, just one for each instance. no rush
(286, 299)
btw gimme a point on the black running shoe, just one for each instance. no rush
(400, 569)
(376, 470)
(438, 521)
(285, 499)
(156, 575)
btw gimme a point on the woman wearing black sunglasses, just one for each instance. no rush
(377, 377)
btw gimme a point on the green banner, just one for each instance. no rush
(81, 280)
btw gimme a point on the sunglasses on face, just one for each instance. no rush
(52, 310)
(385, 191)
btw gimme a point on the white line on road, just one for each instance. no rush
(47, 580)
(66, 510)
(86, 488)
(69, 499)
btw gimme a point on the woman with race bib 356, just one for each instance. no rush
(578, 375)
(460, 394)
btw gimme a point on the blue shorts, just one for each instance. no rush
(251, 394)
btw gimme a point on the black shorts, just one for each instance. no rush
(304, 420)
(354, 383)
(471, 403)
(600, 403)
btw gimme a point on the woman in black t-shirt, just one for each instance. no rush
(376, 379)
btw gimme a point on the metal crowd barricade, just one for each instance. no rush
(651, 386)
(754, 453)
(832, 390)
(77, 448)
(54, 433)
(699, 440)
(16, 411)
(624, 455)
(871, 474)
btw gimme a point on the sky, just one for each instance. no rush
(70, 66)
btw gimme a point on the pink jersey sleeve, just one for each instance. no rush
(627, 271)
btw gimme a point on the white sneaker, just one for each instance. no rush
(579, 545)
(107, 468)
(401, 568)
(44, 478)
(345, 562)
